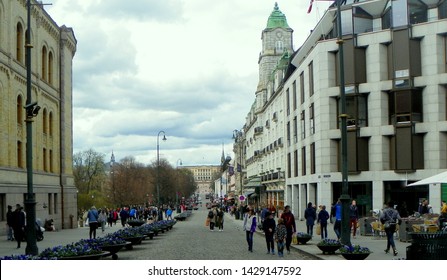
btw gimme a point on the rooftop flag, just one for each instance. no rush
(312, 1)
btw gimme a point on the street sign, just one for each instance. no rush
(241, 198)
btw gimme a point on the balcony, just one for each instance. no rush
(258, 130)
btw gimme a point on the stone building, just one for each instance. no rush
(53, 49)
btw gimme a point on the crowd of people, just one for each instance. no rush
(107, 217)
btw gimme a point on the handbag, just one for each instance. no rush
(318, 229)
(387, 224)
(294, 240)
(207, 222)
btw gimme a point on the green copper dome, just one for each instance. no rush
(277, 19)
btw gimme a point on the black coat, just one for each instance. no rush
(269, 223)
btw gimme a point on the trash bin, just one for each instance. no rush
(427, 246)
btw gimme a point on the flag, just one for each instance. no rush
(312, 2)
(231, 170)
(310, 6)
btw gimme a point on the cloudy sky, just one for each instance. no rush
(185, 67)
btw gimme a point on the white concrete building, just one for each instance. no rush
(395, 74)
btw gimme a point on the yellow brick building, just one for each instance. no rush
(51, 87)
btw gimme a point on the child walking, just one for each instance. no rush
(280, 237)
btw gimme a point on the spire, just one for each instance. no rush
(277, 18)
(222, 159)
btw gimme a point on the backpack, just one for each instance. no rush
(210, 214)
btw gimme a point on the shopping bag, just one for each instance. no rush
(318, 229)
(294, 240)
(207, 222)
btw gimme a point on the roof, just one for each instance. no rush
(435, 179)
(277, 19)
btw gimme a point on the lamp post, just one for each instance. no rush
(178, 185)
(344, 198)
(31, 111)
(158, 163)
(237, 136)
(112, 164)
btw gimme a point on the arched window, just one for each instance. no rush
(50, 123)
(45, 121)
(19, 42)
(19, 110)
(50, 68)
(44, 63)
(19, 154)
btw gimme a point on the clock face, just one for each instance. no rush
(279, 34)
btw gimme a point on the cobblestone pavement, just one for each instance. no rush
(188, 240)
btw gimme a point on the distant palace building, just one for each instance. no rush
(203, 176)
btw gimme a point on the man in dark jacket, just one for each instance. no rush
(269, 226)
(18, 224)
(9, 222)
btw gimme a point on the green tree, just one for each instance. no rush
(89, 177)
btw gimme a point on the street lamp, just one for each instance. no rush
(31, 111)
(112, 164)
(158, 163)
(344, 198)
(237, 136)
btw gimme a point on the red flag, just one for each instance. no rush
(310, 6)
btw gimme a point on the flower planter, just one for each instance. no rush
(113, 249)
(303, 239)
(328, 249)
(86, 257)
(135, 223)
(355, 256)
(136, 240)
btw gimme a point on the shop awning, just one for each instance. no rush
(248, 192)
(435, 179)
(253, 182)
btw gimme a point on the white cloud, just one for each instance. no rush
(187, 67)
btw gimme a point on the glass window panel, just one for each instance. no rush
(399, 13)
(346, 22)
(418, 11)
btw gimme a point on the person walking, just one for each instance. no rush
(212, 219)
(124, 215)
(323, 216)
(390, 218)
(280, 237)
(269, 226)
(102, 219)
(18, 224)
(289, 222)
(220, 218)
(9, 223)
(337, 223)
(310, 215)
(250, 227)
(353, 217)
(92, 217)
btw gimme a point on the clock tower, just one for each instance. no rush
(276, 40)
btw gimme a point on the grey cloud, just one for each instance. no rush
(158, 10)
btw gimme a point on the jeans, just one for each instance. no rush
(310, 229)
(249, 237)
(323, 230)
(337, 228)
(390, 237)
(280, 245)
